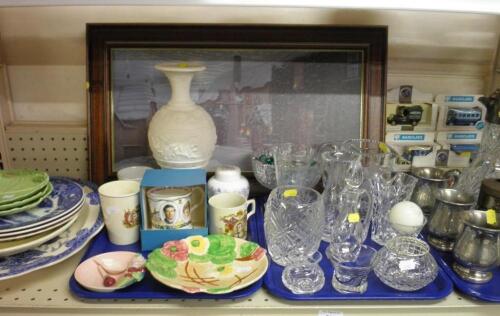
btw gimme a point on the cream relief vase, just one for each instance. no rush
(181, 134)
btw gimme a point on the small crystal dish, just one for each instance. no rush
(305, 276)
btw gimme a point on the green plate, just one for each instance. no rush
(35, 197)
(29, 205)
(18, 184)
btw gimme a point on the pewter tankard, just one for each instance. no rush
(430, 180)
(446, 220)
(476, 251)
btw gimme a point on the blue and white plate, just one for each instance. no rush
(65, 197)
(68, 243)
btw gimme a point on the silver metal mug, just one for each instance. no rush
(429, 180)
(476, 250)
(446, 219)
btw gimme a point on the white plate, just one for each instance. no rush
(42, 228)
(87, 225)
(10, 248)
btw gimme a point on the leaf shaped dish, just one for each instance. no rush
(214, 264)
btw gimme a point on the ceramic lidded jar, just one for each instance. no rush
(181, 134)
(228, 178)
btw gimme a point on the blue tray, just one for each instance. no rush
(486, 292)
(440, 288)
(149, 288)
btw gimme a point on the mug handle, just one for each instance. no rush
(253, 208)
(453, 176)
(202, 193)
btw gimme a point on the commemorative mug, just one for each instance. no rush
(120, 208)
(228, 214)
(170, 208)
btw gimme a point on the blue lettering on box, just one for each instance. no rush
(459, 98)
(410, 137)
(462, 136)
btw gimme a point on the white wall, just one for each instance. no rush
(44, 47)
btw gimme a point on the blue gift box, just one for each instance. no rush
(175, 178)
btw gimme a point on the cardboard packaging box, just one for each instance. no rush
(173, 205)
(457, 148)
(460, 113)
(416, 149)
(408, 109)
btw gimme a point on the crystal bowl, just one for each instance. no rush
(405, 264)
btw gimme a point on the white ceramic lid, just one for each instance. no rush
(227, 173)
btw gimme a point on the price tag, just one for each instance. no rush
(491, 217)
(406, 265)
(353, 217)
(383, 147)
(330, 313)
(465, 154)
(290, 193)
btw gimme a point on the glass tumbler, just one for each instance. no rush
(293, 223)
(352, 277)
(305, 276)
(297, 164)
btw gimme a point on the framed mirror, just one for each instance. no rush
(262, 84)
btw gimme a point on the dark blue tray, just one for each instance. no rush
(440, 288)
(486, 292)
(149, 288)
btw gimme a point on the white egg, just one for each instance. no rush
(406, 217)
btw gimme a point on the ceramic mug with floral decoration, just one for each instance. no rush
(120, 207)
(228, 214)
(170, 208)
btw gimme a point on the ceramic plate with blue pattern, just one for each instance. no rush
(68, 243)
(65, 197)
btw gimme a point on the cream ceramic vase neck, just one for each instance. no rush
(181, 134)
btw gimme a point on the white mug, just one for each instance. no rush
(120, 207)
(228, 214)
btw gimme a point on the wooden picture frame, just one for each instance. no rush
(103, 38)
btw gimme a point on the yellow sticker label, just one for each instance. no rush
(290, 193)
(183, 65)
(353, 218)
(383, 147)
(465, 154)
(491, 217)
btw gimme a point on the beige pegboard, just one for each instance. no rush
(60, 151)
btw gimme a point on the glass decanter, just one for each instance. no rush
(355, 212)
(335, 164)
(484, 166)
(491, 134)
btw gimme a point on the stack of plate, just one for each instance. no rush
(28, 229)
(22, 190)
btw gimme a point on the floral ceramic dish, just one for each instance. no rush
(110, 271)
(214, 264)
